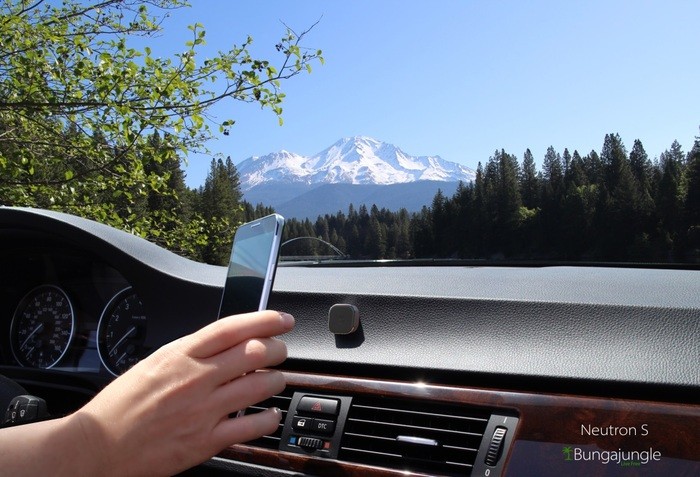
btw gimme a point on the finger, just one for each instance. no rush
(246, 391)
(245, 428)
(245, 357)
(228, 332)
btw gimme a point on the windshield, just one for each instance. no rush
(509, 131)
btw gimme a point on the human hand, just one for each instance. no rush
(170, 411)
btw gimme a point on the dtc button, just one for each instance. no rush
(322, 426)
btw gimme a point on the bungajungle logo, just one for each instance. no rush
(635, 458)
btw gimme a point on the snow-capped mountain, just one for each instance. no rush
(353, 160)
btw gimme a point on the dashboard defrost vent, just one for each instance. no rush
(416, 436)
(282, 401)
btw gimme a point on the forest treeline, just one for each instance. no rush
(609, 206)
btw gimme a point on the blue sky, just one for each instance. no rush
(461, 79)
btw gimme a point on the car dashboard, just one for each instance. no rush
(453, 370)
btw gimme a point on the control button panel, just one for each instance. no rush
(24, 409)
(315, 424)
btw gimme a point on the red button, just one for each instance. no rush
(318, 405)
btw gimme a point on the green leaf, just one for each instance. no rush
(93, 151)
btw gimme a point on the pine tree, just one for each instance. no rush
(221, 196)
(321, 228)
(552, 171)
(463, 200)
(480, 218)
(669, 202)
(529, 186)
(566, 161)
(440, 224)
(404, 248)
(642, 168)
(593, 167)
(575, 175)
(508, 203)
(552, 195)
(620, 219)
(422, 234)
(375, 240)
(692, 202)
(161, 164)
(578, 208)
(221, 209)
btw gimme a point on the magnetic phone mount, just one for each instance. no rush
(343, 319)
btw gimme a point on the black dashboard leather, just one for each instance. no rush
(508, 338)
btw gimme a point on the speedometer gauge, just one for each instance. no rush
(42, 327)
(121, 332)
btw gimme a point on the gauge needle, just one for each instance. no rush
(36, 330)
(121, 358)
(128, 334)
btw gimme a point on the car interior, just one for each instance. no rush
(422, 368)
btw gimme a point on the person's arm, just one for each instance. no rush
(167, 413)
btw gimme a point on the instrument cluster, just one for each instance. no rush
(65, 311)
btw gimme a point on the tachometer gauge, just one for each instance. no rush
(121, 332)
(42, 327)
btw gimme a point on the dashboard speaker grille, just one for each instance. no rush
(414, 436)
(282, 401)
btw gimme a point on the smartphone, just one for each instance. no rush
(251, 268)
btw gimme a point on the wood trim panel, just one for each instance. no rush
(549, 424)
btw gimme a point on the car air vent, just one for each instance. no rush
(282, 401)
(415, 436)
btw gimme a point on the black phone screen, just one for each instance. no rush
(250, 267)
